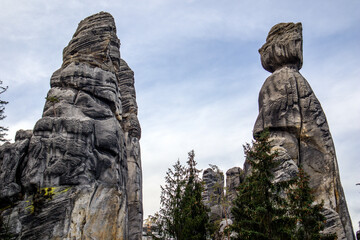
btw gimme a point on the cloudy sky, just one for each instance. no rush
(197, 73)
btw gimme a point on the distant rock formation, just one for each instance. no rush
(298, 126)
(213, 192)
(234, 177)
(218, 197)
(77, 175)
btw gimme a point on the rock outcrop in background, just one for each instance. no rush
(214, 192)
(298, 126)
(77, 175)
(234, 177)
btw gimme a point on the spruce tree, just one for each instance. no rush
(2, 116)
(169, 217)
(259, 211)
(194, 213)
(309, 219)
(265, 209)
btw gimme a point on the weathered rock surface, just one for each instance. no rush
(214, 192)
(78, 174)
(234, 177)
(12, 155)
(283, 47)
(298, 126)
(131, 127)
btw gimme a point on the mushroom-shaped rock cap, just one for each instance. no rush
(283, 47)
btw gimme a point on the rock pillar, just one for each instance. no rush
(78, 174)
(298, 126)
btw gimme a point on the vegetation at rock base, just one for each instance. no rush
(2, 116)
(262, 212)
(194, 212)
(183, 215)
(309, 219)
(259, 210)
(168, 218)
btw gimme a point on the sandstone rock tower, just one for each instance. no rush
(298, 126)
(78, 174)
(213, 192)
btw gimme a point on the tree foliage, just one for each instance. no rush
(194, 213)
(53, 100)
(3, 130)
(259, 210)
(182, 214)
(168, 217)
(308, 215)
(265, 209)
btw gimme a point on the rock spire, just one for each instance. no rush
(77, 175)
(298, 126)
(213, 193)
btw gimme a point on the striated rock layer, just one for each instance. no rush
(132, 130)
(77, 175)
(298, 126)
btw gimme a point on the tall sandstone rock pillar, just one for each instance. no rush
(78, 174)
(298, 126)
(132, 130)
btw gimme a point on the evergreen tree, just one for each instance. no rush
(265, 209)
(259, 210)
(169, 217)
(309, 219)
(2, 116)
(194, 213)
(182, 214)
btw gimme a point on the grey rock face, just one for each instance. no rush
(12, 155)
(234, 177)
(298, 126)
(132, 130)
(283, 47)
(78, 174)
(213, 192)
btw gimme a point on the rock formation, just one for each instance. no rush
(298, 126)
(77, 175)
(234, 177)
(132, 130)
(213, 192)
(218, 198)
